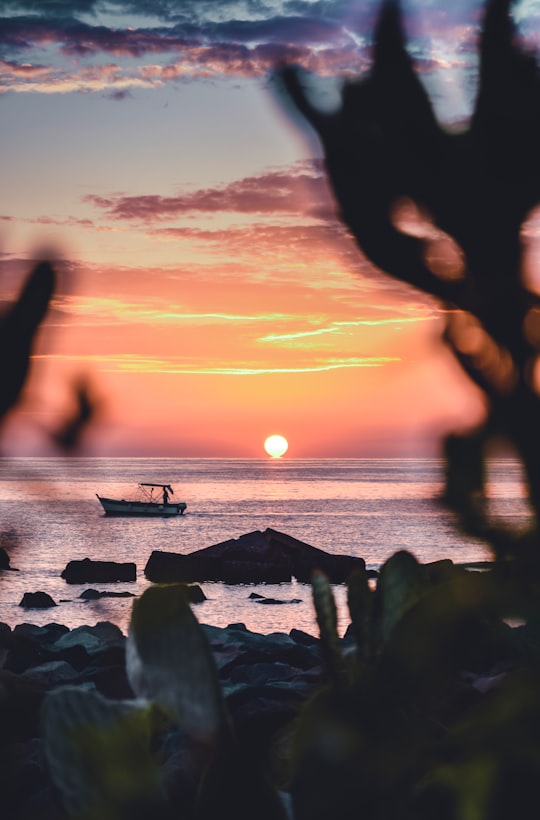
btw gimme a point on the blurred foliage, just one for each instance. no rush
(19, 328)
(105, 763)
(85, 409)
(100, 755)
(474, 188)
(20, 324)
(434, 712)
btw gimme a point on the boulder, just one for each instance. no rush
(98, 572)
(235, 644)
(264, 678)
(36, 600)
(260, 674)
(195, 594)
(96, 639)
(262, 599)
(52, 673)
(94, 594)
(253, 558)
(4, 560)
(29, 645)
(36, 637)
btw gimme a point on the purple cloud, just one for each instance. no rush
(304, 192)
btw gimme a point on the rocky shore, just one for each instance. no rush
(265, 679)
(448, 643)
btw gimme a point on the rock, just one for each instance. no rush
(303, 638)
(52, 673)
(5, 634)
(100, 647)
(257, 557)
(109, 679)
(232, 646)
(26, 791)
(94, 639)
(29, 645)
(94, 594)
(39, 636)
(32, 645)
(438, 572)
(98, 572)
(262, 599)
(20, 705)
(265, 680)
(196, 594)
(36, 600)
(262, 673)
(4, 561)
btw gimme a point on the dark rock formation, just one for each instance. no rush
(195, 594)
(98, 572)
(193, 591)
(257, 557)
(265, 678)
(4, 560)
(262, 599)
(95, 594)
(36, 600)
(102, 637)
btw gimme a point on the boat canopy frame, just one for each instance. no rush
(149, 495)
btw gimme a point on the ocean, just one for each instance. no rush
(49, 514)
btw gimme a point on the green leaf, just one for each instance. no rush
(493, 768)
(400, 586)
(169, 661)
(99, 755)
(325, 609)
(359, 600)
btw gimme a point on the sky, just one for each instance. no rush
(207, 291)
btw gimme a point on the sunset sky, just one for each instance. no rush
(207, 291)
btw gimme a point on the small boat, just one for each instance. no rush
(150, 503)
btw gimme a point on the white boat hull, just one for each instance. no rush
(114, 506)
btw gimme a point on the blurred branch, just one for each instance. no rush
(18, 328)
(384, 144)
(69, 434)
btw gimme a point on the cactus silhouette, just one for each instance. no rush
(384, 143)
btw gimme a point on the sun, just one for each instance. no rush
(276, 446)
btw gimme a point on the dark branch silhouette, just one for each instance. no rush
(18, 328)
(71, 429)
(383, 144)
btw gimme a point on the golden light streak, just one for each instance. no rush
(140, 313)
(131, 363)
(300, 335)
(156, 366)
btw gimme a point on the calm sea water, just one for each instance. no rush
(49, 514)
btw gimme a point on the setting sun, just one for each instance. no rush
(276, 446)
